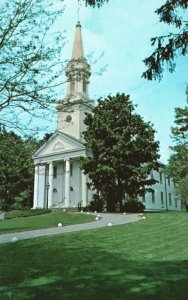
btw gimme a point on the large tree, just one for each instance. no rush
(16, 170)
(169, 46)
(178, 163)
(123, 150)
(30, 59)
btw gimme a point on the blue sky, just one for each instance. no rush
(122, 30)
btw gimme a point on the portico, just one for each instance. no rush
(57, 183)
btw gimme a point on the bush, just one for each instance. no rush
(25, 213)
(97, 204)
(134, 206)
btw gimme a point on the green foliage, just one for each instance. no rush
(180, 131)
(133, 206)
(169, 46)
(178, 162)
(25, 213)
(16, 170)
(123, 150)
(30, 61)
(97, 204)
(95, 3)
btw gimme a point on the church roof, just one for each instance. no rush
(78, 50)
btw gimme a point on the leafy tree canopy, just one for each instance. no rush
(16, 170)
(178, 163)
(30, 59)
(94, 3)
(171, 45)
(123, 150)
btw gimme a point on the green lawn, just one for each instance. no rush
(142, 260)
(43, 221)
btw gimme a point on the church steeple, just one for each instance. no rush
(78, 50)
(71, 110)
(78, 69)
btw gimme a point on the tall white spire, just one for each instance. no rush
(78, 50)
(78, 69)
(71, 110)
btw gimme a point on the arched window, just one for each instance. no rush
(84, 85)
(72, 86)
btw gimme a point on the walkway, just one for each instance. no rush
(105, 220)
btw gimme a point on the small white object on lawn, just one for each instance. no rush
(143, 217)
(87, 213)
(96, 218)
(140, 215)
(109, 224)
(64, 209)
(14, 239)
(59, 225)
(82, 211)
(124, 213)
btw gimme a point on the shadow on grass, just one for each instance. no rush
(72, 272)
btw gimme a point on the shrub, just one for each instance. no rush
(97, 204)
(25, 213)
(133, 206)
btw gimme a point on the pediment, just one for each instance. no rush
(58, 143)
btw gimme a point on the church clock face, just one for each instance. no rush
(68, 118)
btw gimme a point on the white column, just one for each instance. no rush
(36, 187)
(51, 176)
(67, 183)
(84, 189)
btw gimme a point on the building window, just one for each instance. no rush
(153, 196)
(162, 198)
(71, 169)
(144, 198)
(161, 177)
(72, 86)
(84, 86)
(55, 172)
(170, 198)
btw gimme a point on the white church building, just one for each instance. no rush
(59, 181)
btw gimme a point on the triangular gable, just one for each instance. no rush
(58, 143)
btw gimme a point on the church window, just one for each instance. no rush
(72, 86)
(71, 169)
(153, 197)
(170, 198)
(162, 198)
(84, 86)
(55, 172)
(161, 177)
(144, 198)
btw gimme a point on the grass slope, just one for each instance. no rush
(142, 260)
(43, 221)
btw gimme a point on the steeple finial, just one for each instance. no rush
(78, 50)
